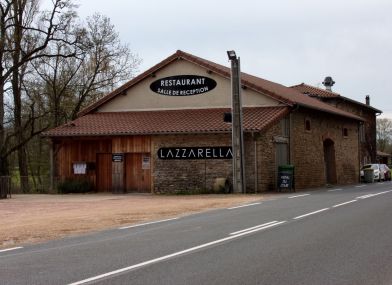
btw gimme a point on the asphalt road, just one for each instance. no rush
(330, 236)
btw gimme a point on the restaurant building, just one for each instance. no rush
(164, 132)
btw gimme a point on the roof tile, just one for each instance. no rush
(281, 93)
(166, 122)
(314, 91)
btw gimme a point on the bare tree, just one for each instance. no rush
(25, 34)
(101, 64)
(384, 135)
(106, 62)
(67, 84)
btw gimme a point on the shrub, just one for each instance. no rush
(74, 186)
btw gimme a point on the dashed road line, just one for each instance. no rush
(263, 226)
(10, 249)
(360, 186)
(242, 206)
(364, 196)
(312, 213)
(166, 257)
(149, 223)
(345, 203)
(334, 190)
(303, 195)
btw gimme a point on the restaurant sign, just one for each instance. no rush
(183, 85)
(216, 152)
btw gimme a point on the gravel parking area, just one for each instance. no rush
(36, 218)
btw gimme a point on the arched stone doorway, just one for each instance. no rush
(329, 161)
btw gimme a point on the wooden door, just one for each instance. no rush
(137, 172)
(104, 172)
(329, 162)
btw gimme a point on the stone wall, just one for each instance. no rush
(368, 145)
(306, 154)
(181, 176)
(307, 151)
(266, 166)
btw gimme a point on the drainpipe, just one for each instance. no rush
(51, 166)
(359, 152)
(255, 155)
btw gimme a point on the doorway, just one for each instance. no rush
(104, 172)
(137, 173)
(329, 161)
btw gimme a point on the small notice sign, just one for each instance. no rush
(285, 180)
(145, 162)
(117, 157)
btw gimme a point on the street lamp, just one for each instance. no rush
(231, 54)
(237, 131)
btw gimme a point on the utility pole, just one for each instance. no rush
(237, 131)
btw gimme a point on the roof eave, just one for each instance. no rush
(357, 118)
(356, 102)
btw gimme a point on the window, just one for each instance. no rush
(307, 124)
(362, 133)
(345, 132)
(79, 167)
(282, 153)
(285, 126)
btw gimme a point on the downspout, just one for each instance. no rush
(291, 141)
(359, 152)
(255, 155)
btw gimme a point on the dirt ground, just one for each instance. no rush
(36, 218)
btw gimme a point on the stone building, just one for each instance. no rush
(367, 129)
(163, 131)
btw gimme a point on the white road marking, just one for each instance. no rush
(242, 206)
(162, 258)
(303, 195)
(150, 223)
(333, 190)
(359, 186)
(345, 203)
(384, 192)
(255, 227)
(372, 195)
(364, 196)
(9, 249)
(312, 213)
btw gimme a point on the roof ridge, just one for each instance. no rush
(315, 87)
(283, 94)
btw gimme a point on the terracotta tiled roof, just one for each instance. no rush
(314, 91)
(281, 93)
(326, 95)
(167, 122)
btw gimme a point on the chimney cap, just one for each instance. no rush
(328, 81)
(367, 98)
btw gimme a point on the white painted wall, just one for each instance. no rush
(141, 98)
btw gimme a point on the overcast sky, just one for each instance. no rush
(285, 41)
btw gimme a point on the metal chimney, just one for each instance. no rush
(328, 83)
(367, 98)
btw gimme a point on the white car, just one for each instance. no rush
(376, 169)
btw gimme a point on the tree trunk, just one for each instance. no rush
(16, 79)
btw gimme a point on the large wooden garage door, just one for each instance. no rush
(137, 172)
(104, 172)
